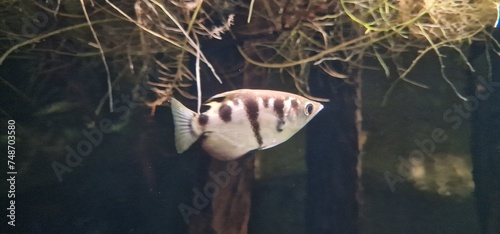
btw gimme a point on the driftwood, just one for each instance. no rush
(228, 211)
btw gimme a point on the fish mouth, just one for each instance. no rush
(321, 107)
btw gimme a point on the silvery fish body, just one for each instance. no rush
(244, 120)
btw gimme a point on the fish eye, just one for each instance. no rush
(309, 109)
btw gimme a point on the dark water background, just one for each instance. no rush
(133, 182)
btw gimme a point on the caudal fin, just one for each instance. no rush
(184, 134)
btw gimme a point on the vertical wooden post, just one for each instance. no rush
(331, 156)
(229, 182)
(229, 209)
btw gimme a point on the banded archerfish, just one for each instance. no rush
(242, 120)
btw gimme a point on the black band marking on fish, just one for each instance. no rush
(279, 126)
(265, 101)
(203, 119)
(225, 113)
(295, 104)
(279, 107)
(252, 108)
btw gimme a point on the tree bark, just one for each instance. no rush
(331, 156)
(229, 182)
(485, 145)
(229, 209)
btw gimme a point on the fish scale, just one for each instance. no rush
(244, 120)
